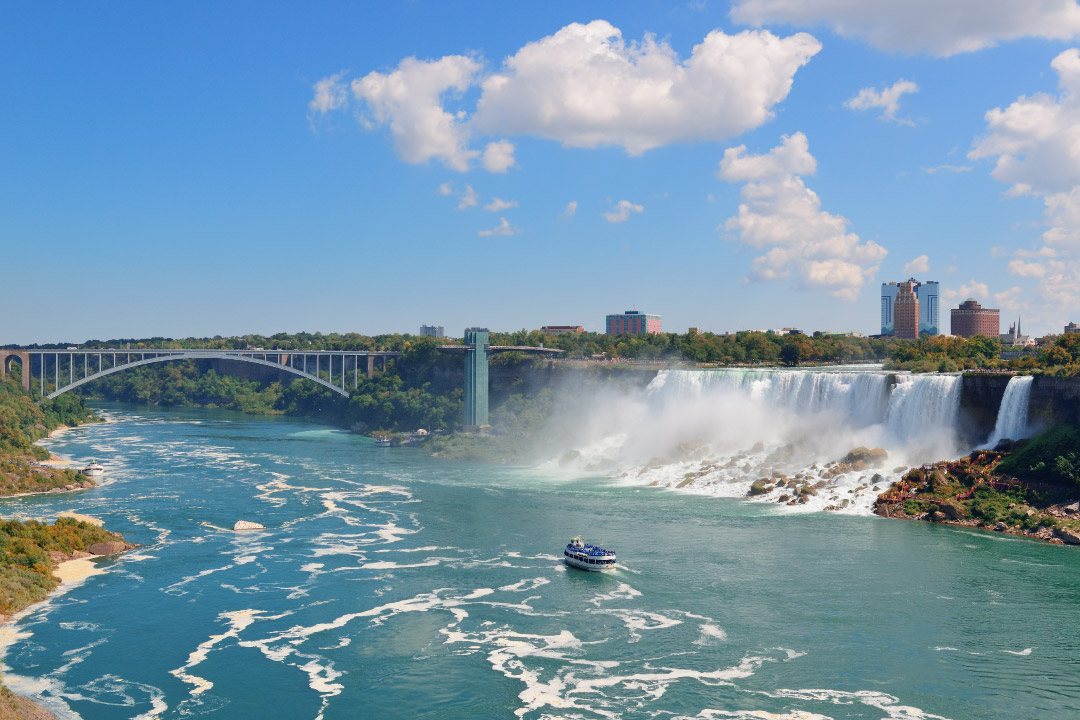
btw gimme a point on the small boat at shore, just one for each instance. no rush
(94, 470)
(382, 441)
(579, 554)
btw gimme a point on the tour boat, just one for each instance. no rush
(94, 470)
(382, 441)
(580, 555)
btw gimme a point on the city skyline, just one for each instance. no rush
(728, 166)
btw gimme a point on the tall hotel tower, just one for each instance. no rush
(906, 312)
(927, 295)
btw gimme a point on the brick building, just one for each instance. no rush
(632, 322)
(906, 312)
(971, 319)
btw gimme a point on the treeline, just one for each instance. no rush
(1061, 357)
(749, 347)
(24, 420)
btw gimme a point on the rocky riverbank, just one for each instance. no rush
(973, 492)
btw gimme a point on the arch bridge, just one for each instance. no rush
(68, 369)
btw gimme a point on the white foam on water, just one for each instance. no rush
(622, 591)
(238, 620)
(525, 585)
(887, 704)
(1022, 653)
(711, 633)
(637, 621)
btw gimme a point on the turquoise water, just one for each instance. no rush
(392, 585)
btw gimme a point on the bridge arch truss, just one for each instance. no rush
(80, 366)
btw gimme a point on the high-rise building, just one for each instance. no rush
(1072, 328)
(929, 310)
(632, 322)
(906, 312)
(435, 331)
(971, 319)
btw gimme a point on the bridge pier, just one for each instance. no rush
(476, 379)
(371, 366)
(8, 356)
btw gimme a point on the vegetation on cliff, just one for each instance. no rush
(22, 421)
(1028, 487)
(1059, 358)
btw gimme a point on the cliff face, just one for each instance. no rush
(980, 398)
(1055, 400)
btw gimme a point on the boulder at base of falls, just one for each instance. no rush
(760, 487)
(1069, 536)
(109, 548)
(953, 512)
(872, 458)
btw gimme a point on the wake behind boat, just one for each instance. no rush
(580, 555)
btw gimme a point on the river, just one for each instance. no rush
(392, 585)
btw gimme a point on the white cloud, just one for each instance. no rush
(782, 216)
(887, 99)
(409, 100)
(469, 198)
(445, 189)
(585, 86)
(499, 156)
(947, 168)
(1035, 142)
(973, 289)
(498, 204)
(330, 94)
(1026, 269)
(621, 211)
(503, 228)
(918, 266)
(921, 26)
(571, 209)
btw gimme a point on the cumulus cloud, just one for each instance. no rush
(571, 209)
(409, 99)
(783, 217)
(621, 212)
(445, 189)
(499, 156)
(330, 94)
(888, 99)
(585, 86)
(972, 289)
(921, 26)
(917, 266)
(498, 204)
(469, 198)
(503, 228)
(1035, 143)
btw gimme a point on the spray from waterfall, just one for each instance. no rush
(729, 432)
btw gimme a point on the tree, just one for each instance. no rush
(790, 354)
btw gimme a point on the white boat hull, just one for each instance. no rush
(583, 565)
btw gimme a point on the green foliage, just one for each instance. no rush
(1051, 457)
(25, 564)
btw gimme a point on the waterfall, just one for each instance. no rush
(726, 432)
(1012, 417)
(923, 406)
(860, 397)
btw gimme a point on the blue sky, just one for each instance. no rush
(258, 167)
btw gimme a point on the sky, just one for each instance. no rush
(199, 169)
